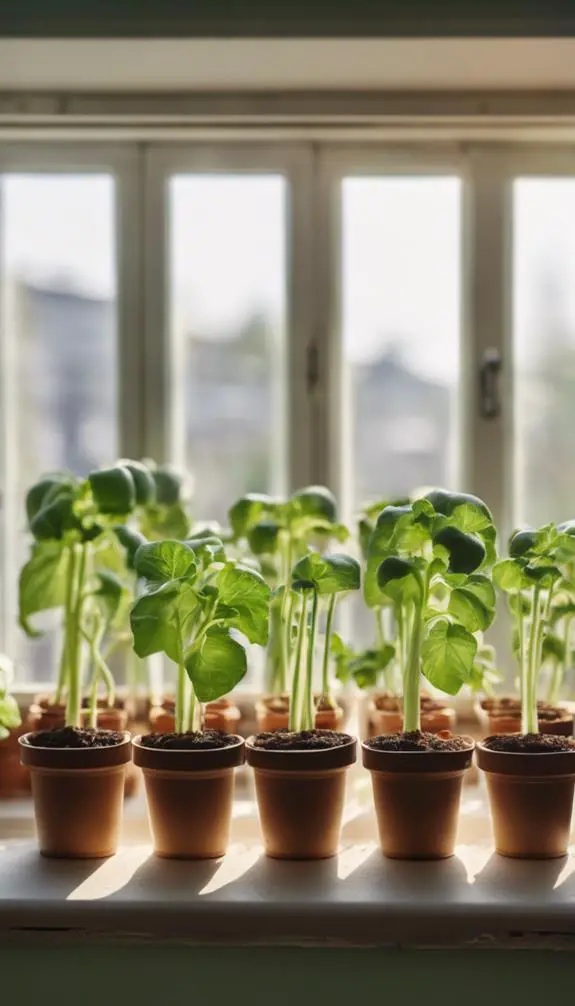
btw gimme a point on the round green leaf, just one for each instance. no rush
(129, 539)
(315, 501)
(46, 491)
(508, 575)
(399, 579)
(246, 591)
(263, 537)
(217, 665)
(9, 713)
(160, 561)
(54, 519)
(144, 482)
(522, 542)
(447, 656)
(207, 549)
(169, 484)
(161, 619)
(328, 574)
(446, 503)
(466, 552)
(247, 511)
(113, 490)
(42, 583)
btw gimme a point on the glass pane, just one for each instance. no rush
(544, 348)
(57, 254)
(228, 318)
(401, 317)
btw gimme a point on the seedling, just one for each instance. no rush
(9, 711)
(200, 609)
(428, 559)
(279, 532)
(73, 567)
(315, 578)
(537, 578)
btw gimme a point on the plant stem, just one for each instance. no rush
(529, 723)
(191, 724)
(295, 703)
(326, 647)
(411, 677)
(308, 720)
(64, 661)
(523, 669)
(74, 704)
(285, 622)
(380, 635)
(180, 716)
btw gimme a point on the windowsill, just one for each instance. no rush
(475, 899)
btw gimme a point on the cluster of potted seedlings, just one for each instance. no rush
(117, 555)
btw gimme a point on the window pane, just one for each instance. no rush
(401, 316)
(228, 316)
(544, 348)
(58, 279)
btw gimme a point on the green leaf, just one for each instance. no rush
(553, 647)
(42, 584)
(144, 482)
(328, 574)
(164, 522)
(447, 656)
(473, 605)
(207, 549)
(217, 665)
(130, 540)
(364, 531)
(263, 537)
(169, 486)
(399, 579)
(314, 501)
(247, 511)
(466, 552)
(55, 518)
(522, 542)
(246, 591)
(508, 575)
(447, 503)
(161, 619)
(160, 561)
(110, 592)
(9, 713)
(470, 518)
(113, 490)
(46, 491)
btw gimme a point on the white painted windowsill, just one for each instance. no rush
(475, 899)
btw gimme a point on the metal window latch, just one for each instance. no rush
(489, 400)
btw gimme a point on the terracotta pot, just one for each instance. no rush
(45, 715)
(300, 798)
(503, 716)
(269, 719)
(221, 715)
(190, 795)
(435, 716)
(531, 800)
(77, 797)
(417, 798)
(14, 778)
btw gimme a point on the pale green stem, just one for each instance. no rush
(180, 711)
(529, 722)
(74, 704)
(191, 724)
(68, 604)
(523, 670)
(284, 620)
(411, 680)
(308, 721)
(326, 647)
(295, 711)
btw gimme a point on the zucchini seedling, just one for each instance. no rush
(278, 533)
(536, 576)
(200, 609)
(314, 579)
(73, 567)
(428, 559)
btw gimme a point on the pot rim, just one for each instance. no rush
(417, 762)
(525, 763)
(319, 760)
(112, 756)
(189, 759)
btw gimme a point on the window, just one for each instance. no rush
(276, 313)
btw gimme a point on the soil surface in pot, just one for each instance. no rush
(506, 706)
(417, 741)
(193, 740)
(73, 737)
(304, 740)
(530, 743)
(280, 703)
(391, 703)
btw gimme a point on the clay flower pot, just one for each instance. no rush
(417, 796)
(300, 798)
(221, 715)
(385, 715)
(503, 716)
(78, 796)
(531, 800)
(190, 795)
(43, 714)
(272, 713)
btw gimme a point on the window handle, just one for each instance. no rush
(489, 400)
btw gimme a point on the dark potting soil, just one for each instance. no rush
(417, 741)
(280, 703)
(530, 743)
(73, 737)
(393, 704)
(205, 740)
(303, 740)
